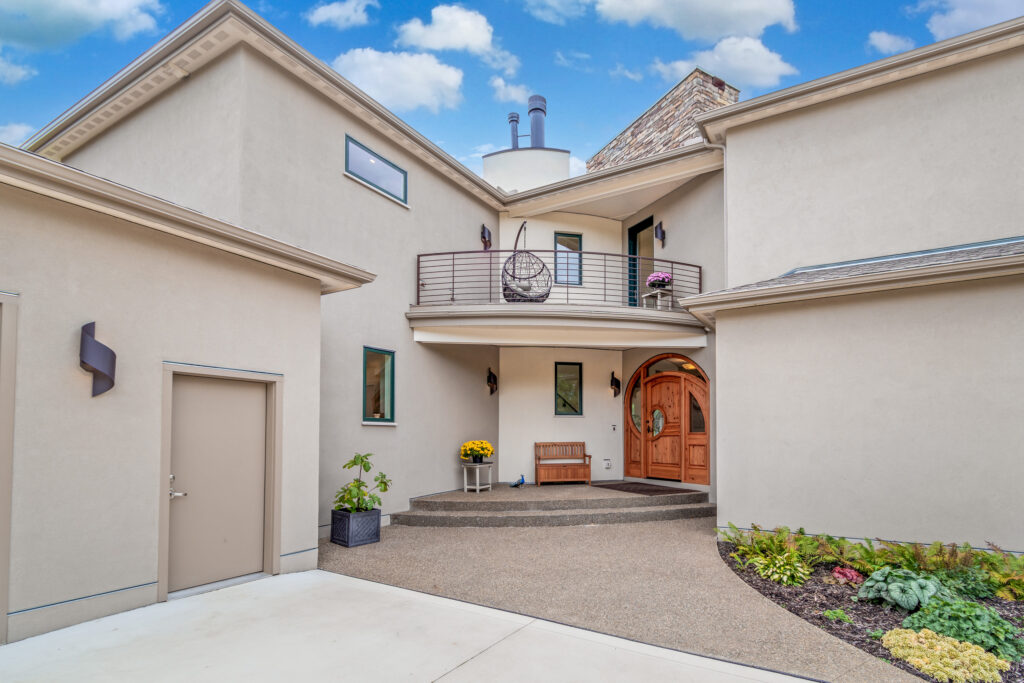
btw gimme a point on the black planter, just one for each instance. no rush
(659, 285)
(478, 458)
(355, 528)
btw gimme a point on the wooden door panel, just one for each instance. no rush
(663, 451)
(697, 467)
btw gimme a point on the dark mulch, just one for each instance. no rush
(645, 489)
(814, 597)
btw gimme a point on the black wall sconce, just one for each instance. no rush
(485, 237)
(98, 359)
(492, 380)
(616, 385)
(659, 234)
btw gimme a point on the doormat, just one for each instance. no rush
(643, 489)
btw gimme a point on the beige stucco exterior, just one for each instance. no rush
(87, 484)
(892, 415)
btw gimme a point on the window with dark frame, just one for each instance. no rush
(568, 259)
(375, 170)
(568, 388)
(378, 385)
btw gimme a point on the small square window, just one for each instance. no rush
(568, 259)
(568, 388)
(375, 170)
(378, 385)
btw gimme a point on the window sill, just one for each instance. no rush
(378, 424)
(379, 191)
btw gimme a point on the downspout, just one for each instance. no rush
(725, 209)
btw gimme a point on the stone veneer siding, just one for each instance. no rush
(669, 124)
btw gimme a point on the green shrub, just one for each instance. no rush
(786, 568)
(837, 615)
(970, 582)
(876, 634)
(902, 588)
(972, 623)
(944, 659)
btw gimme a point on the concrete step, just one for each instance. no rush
(521, 518)
(434, 504)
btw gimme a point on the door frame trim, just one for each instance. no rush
(8, 371)
(272, 473)
(628, 418)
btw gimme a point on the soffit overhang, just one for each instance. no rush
(982, 43)
(210, 33)
(49, 178)
(555, 325)
(704, 307)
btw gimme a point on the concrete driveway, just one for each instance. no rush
(322, 626)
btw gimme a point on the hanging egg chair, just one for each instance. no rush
(524, 277)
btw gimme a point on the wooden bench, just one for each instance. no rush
(561, 471)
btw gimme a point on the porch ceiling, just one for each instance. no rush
(555, 325)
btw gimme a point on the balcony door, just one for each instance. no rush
(667, 426)
(641, 250)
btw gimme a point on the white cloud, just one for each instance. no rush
(557, 11)
(572, 60)
(402, 81)
(889, 43)
(953, 17)
(456, 28)
(577, 166)
(341, 15)
(50, 23)
(509, 92)
(11, 73)
(701, 19)
(622, 72)
(740, 61)
(15, 133)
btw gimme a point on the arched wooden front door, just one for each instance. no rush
(666, 435)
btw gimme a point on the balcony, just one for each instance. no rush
(553, 298)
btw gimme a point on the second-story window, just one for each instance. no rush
(568, 259)
(375, 170)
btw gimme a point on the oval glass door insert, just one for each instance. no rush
(657, 421)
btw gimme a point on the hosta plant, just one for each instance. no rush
(786, 568)
(944, 659)
(901, 587)
(972, 623)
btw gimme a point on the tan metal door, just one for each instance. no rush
(218, 463)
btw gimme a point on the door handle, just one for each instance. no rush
(177, 494)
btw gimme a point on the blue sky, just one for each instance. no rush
(454, 71)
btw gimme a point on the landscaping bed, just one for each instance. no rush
(819, 593)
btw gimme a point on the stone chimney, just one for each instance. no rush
(669, 124)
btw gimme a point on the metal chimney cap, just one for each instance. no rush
(513, 117)
(538, 103)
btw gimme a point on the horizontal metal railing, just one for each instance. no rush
(583, 278)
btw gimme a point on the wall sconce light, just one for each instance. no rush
(98, 359)
(616, 385)
(492, 380)
(659, 234)
(485, 237)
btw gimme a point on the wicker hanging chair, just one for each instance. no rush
(524, 277)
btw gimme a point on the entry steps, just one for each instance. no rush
(440, 512)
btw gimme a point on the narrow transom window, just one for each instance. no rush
(568, 388)
(375, 170)
(378, 385)
(568, 259)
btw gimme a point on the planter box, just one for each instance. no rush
(355, 528)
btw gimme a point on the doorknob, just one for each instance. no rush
(176, 494)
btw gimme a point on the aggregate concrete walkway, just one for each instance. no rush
(317, 626)
(661, 583)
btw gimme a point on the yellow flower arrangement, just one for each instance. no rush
(482, 449)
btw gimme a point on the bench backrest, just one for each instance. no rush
(559, 450)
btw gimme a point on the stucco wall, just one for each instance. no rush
(918, 164)
(894, 415)
(527, 388)
(87, 480)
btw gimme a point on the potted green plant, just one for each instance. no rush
(355, 519)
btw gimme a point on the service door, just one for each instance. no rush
(663, 425)
(218, 464)
(695, 405)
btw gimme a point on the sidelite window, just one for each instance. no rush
(568, 259)
(568, 388)
(378, 385)
(376, 170)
